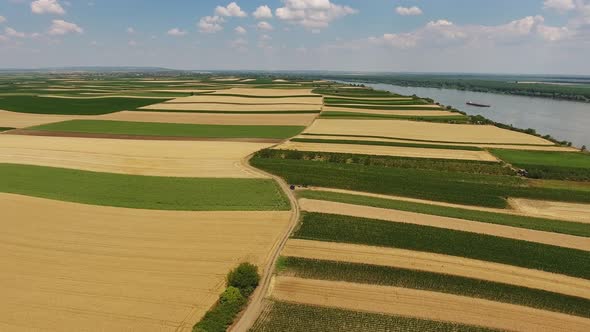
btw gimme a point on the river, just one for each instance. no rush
(564, 120)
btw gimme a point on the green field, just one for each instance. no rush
(558, 184)
(449, 165)
(346, 229)
(549, 165)
(540, 224)
(257, 96)
(390, 107)
(360, 116)
(232, 112)
(5, 128)
(291, 317)
(452, 187)
(397, 277)
(171, 129)
(68, 106)
(142, 192)
(381, 143)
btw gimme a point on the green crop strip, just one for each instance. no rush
(43, 105)
(171, 129)
(231, 112)
(453, 187)
(540, 224)
(382, 143)
(337, 101)
(430, 281)
(291, 317)
(142, 192)
(574, 166)
(346, 229)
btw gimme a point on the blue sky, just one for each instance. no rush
(494, 36)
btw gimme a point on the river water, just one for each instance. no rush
(564, 120)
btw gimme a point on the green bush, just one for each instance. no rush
(245, 277)
(222, 315)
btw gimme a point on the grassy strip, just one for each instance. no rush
(540, 224)
(40, 105)
(465, 166)
(241, 282)
(346, 229)
(5, 128)
(291, 317)
(430, 281)
(573, 166)
(418, 140)
(171, 129)
(388, 108)
(142, 192)
(558, 184)
(355, 115)
(231, 112)
(336, 101)
(381, 143)
(452, 187)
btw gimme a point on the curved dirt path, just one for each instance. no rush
(522, 234)
(437, 263)
(248, 317)
(423, 304)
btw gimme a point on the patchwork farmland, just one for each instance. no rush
(361, 210)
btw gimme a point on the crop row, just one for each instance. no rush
(291, 317)
(397, 277)
(347, 229)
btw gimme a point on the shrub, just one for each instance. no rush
(223, 314)
(245, 277)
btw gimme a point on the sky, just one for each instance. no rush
(465, 36)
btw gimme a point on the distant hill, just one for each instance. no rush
(90, 70)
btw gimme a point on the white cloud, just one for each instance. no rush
(408, 11)
(312, 14)
(176, 32)
(10, 32)
(61, 27)
(263, 12)
(211, 24)
(47, 7)
(239, 44)
(265, 37)
(130, 30)
(240, 30)
(561, 6)
(231, 10)
(2, 19)
(554, 33)
(264, 26)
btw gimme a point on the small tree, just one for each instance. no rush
(245, 277)
(583, 149)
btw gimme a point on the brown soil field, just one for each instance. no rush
(389, 151)
(23, 120)
(442, 132)
(547, 209)
(497, 146)
(437, 263)
(139, 157)
(265, 92)
(213, 99)
(89, 268)
(423, 304)
(555, 239)
(389, 112)
(231, 107)
(211, 118)
(423, 201)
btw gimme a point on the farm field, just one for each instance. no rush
(44, 105)
(143, 192)
(292, 317)
(421, 304)
(550, 238)
(170, 129)
(389, 151)
(102, 268)
(403, 215)
(212, 159)
(445, 265)
(421, 131)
